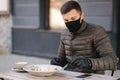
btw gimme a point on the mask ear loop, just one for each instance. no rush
(81, 20)
(80, 17)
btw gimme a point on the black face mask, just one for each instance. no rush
(73, 26)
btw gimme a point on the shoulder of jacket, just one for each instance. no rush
(95, 28)
(65, 32)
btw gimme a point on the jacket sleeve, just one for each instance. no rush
(108, 58)
(61, 50)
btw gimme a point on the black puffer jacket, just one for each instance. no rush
(90, 41)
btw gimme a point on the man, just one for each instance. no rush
(83, 47)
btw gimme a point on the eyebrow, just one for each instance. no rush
(71, 17)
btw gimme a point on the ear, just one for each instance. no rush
(82, 15)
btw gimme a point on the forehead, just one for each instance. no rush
(71, 13)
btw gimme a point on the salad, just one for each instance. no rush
(37, 68)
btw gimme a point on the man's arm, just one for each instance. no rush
(61, 59)
(108, 58)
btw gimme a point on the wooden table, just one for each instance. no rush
(62, 75)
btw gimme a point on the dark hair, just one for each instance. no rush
(69, 5)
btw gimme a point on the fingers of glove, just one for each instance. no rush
(59, 61)
(55, 61)
(69, 67)
(85, 64)
(75, 61)
(81, 63)
(63, 60)
(78, 62)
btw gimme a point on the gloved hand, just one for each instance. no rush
(59, 61)
(82, 63)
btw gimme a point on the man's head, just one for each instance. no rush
(69, 5)
(72, 15)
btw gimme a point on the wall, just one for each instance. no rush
(101, 12)
(26, 13)
(5, 34)
(28, 17)
(98, 12)
(30, 14)
(35, 43)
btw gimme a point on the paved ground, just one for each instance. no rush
(7, 62)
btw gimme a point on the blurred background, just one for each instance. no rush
(32, 27)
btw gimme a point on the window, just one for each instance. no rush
(4, 7)
(55, 18)
(26, 14)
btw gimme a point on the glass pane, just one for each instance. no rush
(56, 21)
(4, 7)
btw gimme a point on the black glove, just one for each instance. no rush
(82, 63)
(59, 61)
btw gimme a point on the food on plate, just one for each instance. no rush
(42, 69)
(37, 68)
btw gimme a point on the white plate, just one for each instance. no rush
(42, 69)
